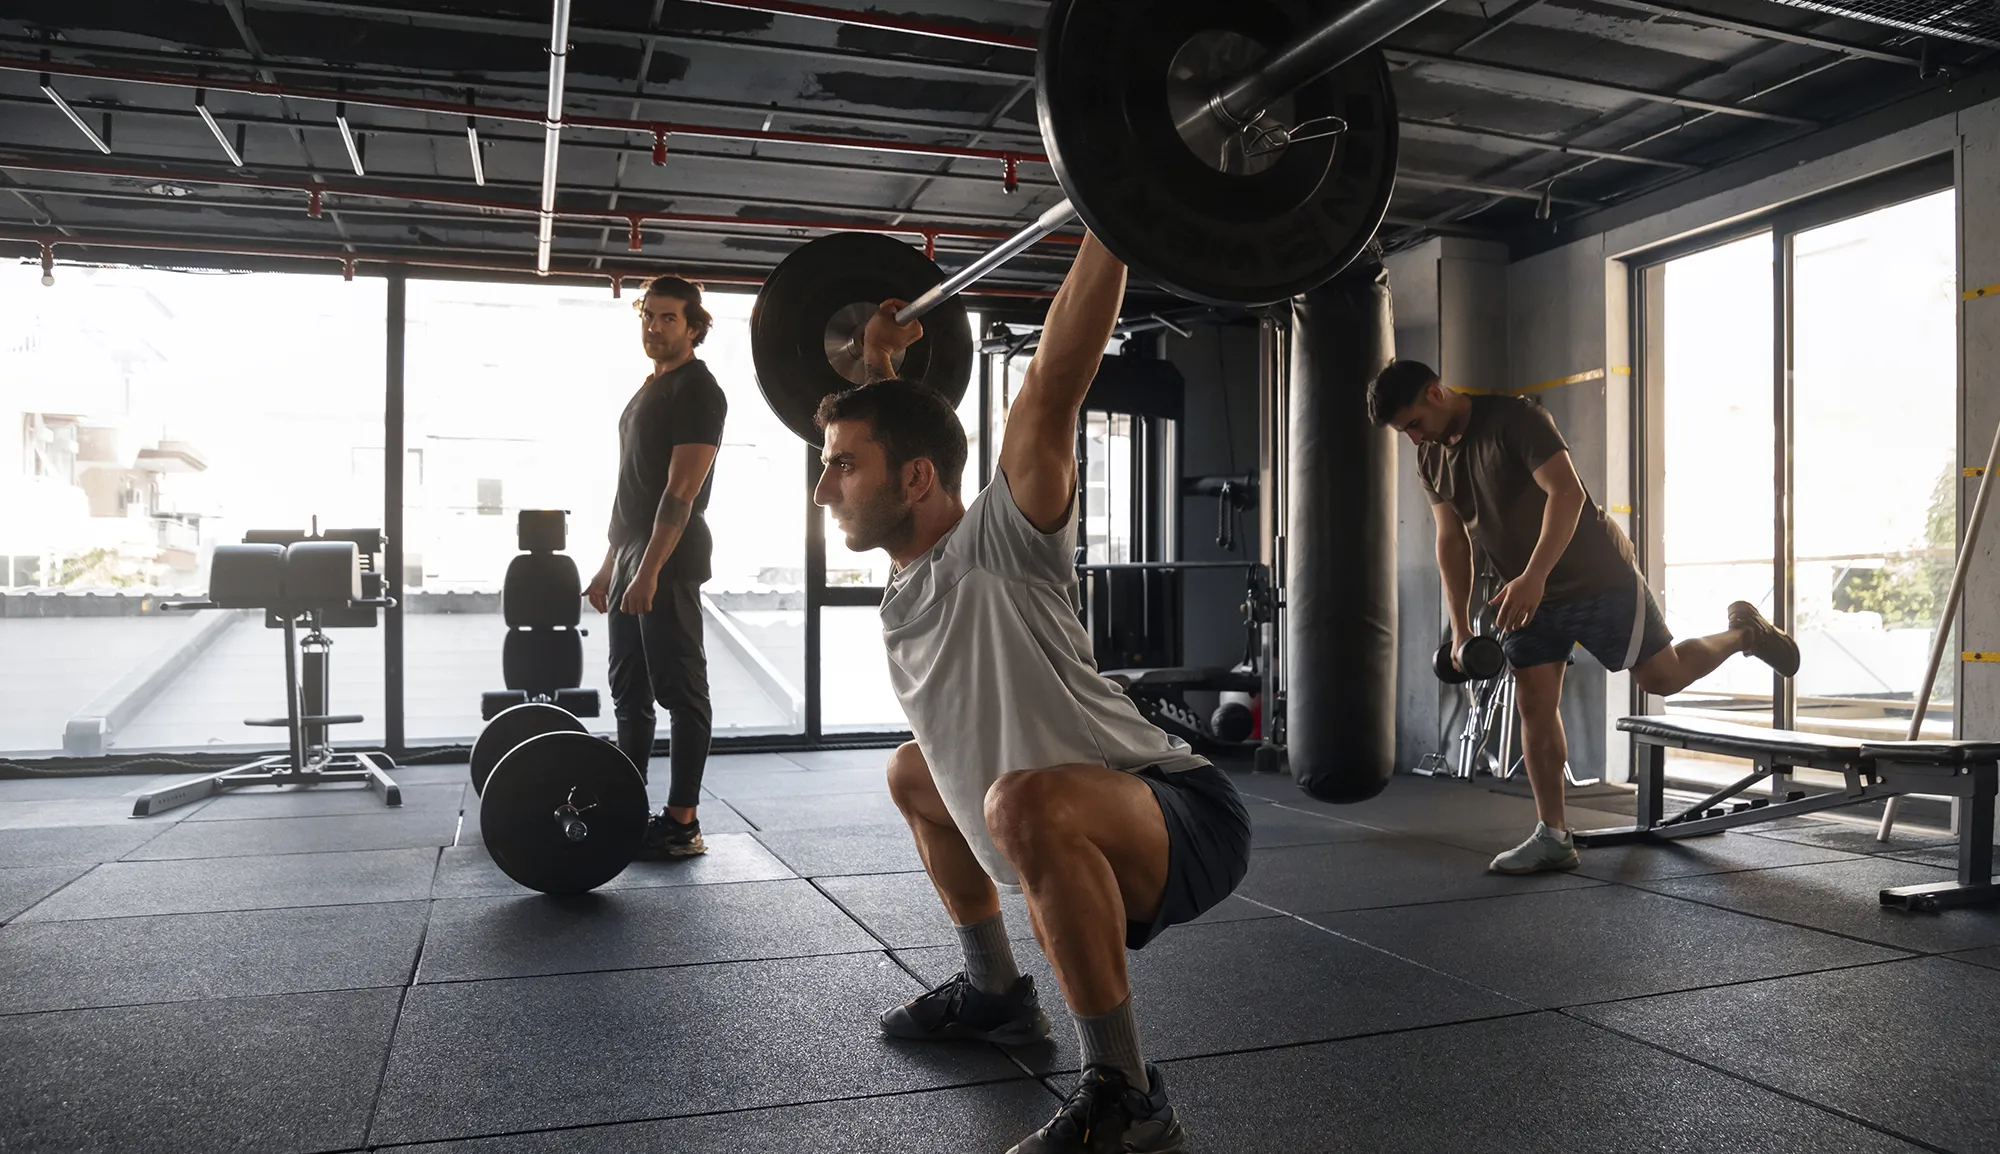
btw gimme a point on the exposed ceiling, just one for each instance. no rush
(783, 120)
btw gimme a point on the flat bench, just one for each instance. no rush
(1871, 769)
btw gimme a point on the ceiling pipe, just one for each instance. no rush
(885, 23)
(552, 126)
(490, 206)
(594, 123)
(348, 261)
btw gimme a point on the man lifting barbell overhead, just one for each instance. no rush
(650, 582)
(1029, 769)
(1498, 473)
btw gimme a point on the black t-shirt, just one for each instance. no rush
(682, 407)
(1489, 478)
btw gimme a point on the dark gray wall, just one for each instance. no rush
(1218, 435)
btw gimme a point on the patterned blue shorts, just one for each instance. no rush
(1621, 627)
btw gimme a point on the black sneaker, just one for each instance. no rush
(959, 1011)
(667, 838)
(1104, 1113)
(1767, 643)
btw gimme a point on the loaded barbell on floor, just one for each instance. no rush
(1233, 154)
(560, 811)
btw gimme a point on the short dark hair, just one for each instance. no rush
(1396, 388)
(689, 294)
(908, 420)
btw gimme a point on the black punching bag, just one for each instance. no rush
(1340, 701)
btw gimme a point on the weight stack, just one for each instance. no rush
(1341, 541)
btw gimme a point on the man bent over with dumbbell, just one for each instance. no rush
(1497, 468)
(652, 574)
(1029, 769)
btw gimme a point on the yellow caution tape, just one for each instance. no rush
(1621, 508)
(1991, 290)
(1988, 657)
(1572, 379)
(1975, 470)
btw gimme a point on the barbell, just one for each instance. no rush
(1235, 154)
(560, 810)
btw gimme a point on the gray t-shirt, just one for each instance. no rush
(994, 669)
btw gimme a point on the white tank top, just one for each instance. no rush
(994, 669)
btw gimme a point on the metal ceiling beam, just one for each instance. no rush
(656, 128)
(1498, 21)
(535, 29)
(884, 23)
(206, 244)
(489, 136)
(176, 60)
(1640, 94)
(1765, 31)
(1537, 142)
(969, 241)
(418, 189)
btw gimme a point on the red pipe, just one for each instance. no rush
(348, 261)
(658, 128)
(870, 20)
(316, 192)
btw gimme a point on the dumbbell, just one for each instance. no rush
(1479, 659)
(560, 810)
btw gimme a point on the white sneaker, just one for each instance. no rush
(1542, 851)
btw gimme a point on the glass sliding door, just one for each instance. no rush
(1875, 470)
(1831, 339)
(1712, 371)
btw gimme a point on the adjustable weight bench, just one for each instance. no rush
(1872, 769)
(297, 579)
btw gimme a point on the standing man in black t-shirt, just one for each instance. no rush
(651, 579)
(1496, 469)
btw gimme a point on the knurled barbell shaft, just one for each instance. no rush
(1361, 27)
(1056, 217)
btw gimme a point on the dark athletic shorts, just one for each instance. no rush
(1208, 846)
(1621, 627)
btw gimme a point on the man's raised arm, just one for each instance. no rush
(1038, 452)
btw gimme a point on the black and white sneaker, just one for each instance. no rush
(1763, 640)
(667, 838)
(1104, 1113)
(958, 1011)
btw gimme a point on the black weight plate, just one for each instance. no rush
(509, 728)
(789, 321)
(1102, 94)
(1482, 658)
(518, 812)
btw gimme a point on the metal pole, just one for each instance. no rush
(1958, 574)
(394, 733)
(1309, 57)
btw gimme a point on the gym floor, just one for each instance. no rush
(315, 972)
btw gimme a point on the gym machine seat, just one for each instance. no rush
(321, 581)
(541, 600)
(1871, 769)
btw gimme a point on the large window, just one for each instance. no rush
(156, 414)
(514, 397)
(150, 415)
(1850, 543)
